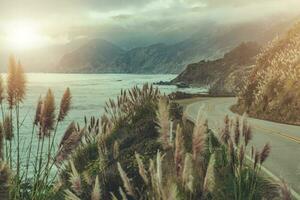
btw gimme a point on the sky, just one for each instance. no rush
(35, 23)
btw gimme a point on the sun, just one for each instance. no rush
(21, 35)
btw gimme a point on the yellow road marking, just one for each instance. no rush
(210, 107)
(284, 135)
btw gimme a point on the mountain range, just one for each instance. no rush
(102, 56)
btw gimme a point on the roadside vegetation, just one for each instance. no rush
(143, 147)
(272, 91)
(25, 173)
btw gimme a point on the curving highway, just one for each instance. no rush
(284, 160)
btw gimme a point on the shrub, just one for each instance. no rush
(272, 90)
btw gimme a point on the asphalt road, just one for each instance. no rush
(284, 160)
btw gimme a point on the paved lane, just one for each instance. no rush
(284, 161)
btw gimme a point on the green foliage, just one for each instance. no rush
(131, 122)
(96, 161)
(220, 171)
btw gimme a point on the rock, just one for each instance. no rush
(224, 76)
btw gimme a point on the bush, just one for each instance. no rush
(272, 90)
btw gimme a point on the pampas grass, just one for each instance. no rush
(116, 150)
(96, 193)
(198, 139)
(20, 83)
(11, 82)
(122, 193)
(75, 179)
(265, 153)
(65, 105)
(47, 114)
(38, 111)
(126, 182)
(163, 120)
(44, 120)
(69, 143)
(179, 150)
(187, 174)
(225, 133)
(142, 170)
(159, 172)
(208, 167)
(68, 132)
(2, 90)
(237, 132)
(70, 195)
(285, 191)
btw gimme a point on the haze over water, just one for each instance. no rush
(89, 94)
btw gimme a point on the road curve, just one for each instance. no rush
(284, 160)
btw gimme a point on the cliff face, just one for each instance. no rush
(223, 76)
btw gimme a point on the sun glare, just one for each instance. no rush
(23, 35)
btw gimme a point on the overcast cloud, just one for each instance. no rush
(96, 18)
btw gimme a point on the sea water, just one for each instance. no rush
(89, 94)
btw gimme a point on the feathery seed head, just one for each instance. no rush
(126, 181)
(20, 83)
(11, 81)
(199, 137)
(16, 82)
(159, 159)
(285, 191)
(70, 195)
(122, 193)
(265, 153)
(247, 135)
(75, 179)
(164, 121)
(237, 132)
(69, 131)
(256, 159)
(37, 118)
(179, 150)
(65, 105)
(96, 193)
(116, 149)
(142, 170)
(225, 133)
(2, 95)
(187, 174)
(47, 114)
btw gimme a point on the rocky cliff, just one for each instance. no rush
(223, 76)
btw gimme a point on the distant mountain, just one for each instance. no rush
(223, 76)
(99, 56)
(208, 41)
(42, 59)
(95, 56)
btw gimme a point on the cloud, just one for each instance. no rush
(148, 18)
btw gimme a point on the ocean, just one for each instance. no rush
(89, 94)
